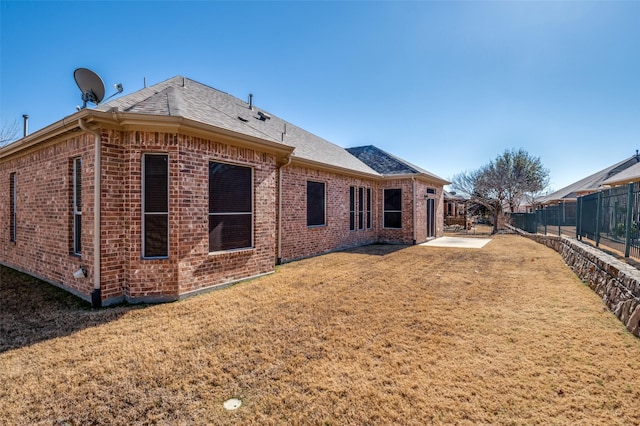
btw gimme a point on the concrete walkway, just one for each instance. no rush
(457, 242)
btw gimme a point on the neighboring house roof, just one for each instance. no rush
(389, 165)
(180, 96)
(632, 174)
(590, 183)
(453, 197)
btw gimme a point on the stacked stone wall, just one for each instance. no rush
(618, 283)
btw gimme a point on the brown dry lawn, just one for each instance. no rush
(376, 335)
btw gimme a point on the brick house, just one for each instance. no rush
(197, 189)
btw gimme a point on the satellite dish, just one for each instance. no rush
(90, 85)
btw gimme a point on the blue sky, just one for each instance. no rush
(445, 85)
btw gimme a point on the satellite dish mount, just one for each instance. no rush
(91, 86)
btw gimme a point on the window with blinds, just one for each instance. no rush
(230, 207)
(155, 206)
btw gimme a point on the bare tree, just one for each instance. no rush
(503, 183)
(8, 133)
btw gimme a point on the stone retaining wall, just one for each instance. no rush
(616, 282)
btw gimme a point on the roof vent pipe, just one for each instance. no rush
(26, 125)
(251, 101)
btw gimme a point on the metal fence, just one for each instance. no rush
(610, 218)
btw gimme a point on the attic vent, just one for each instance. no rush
(263, 116)
(242, 119)
(431, 190)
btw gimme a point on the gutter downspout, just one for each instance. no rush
(279, 255)
(96, 294)
(415, 211)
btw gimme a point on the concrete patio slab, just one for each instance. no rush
(457, 242)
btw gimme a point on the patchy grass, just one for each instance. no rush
(375, 335)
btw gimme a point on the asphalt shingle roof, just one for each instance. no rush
(388, 164)
(591, 182)
(180, 96)
(632, 174)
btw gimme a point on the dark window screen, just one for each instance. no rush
(156, 235)
(368, 208)
(229, 188)
(360, 208)
(156, 194)
(352, 208)
(230, 207)
(315, 203)
(392, 208)
(228, 232)
(156, 205)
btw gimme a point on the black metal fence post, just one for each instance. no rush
(559, 218)
(579, 218)
(627, 231)
(598, 202)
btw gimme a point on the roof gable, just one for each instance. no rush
(388, 164)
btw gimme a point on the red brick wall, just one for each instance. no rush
(142, 279)
(189, 267)
(114, 216)
(405, 234)
(299, 240)
(44, 231)
(421, 210)
(197, 268)
(44, 212)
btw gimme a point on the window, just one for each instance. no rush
(315, 203)
(392, 211)
(352, 208)
(361, 208)
(77, 206)
(368, 208)
(155, 205)
(230, 207)
(12, 208)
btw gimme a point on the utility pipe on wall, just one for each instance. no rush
(25, 118)
(96, 294)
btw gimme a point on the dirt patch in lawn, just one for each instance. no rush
(376, 335)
